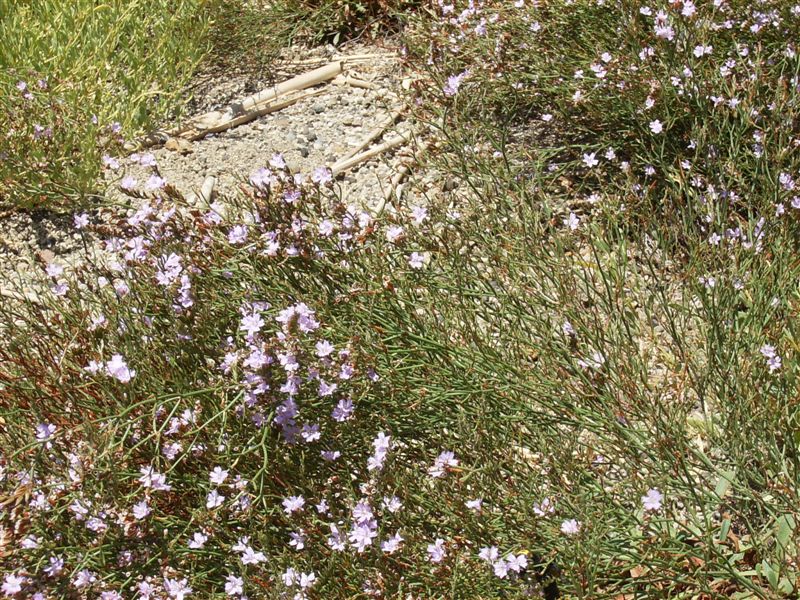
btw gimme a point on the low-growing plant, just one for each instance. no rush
(74, 76)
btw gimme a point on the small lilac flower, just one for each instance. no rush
(54, 566)
(454, 83)
(237, 234)
(251, 557)
(293, 504)
(80, 221)
(343, 410)
(570, 527)
(436, 551)
(277, 161)
(12, 584)
(652, 500)
(44, 431)
(297, 540)
(474, 505)
(489, 554)
(54, 270)
(154, 183)
(307, 580)
(544, 507)
(118, 369)
(234, 586)
(500, 568)
(392, 544)
(177, 589)
(361, 536)
(444, 461)
(392, 504)
(324, 348)
(330, 455)
(416, 260)
(656, 126)
(322, 176)
(218, 476)
(394, 233)
(198, 540)
(214, 499)
(572, 221)
(516, 563)
(84, 578)
(590, 160)
(141, 510)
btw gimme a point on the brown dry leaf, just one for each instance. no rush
(637, 572)
(695, 561)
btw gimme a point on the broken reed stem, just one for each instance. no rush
(373, 135)
(250, 116)
(253, 106)
(354, 82)
(344, 165)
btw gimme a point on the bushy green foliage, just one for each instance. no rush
(584, 359)
(90, 71)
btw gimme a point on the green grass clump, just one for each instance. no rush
(75, 77)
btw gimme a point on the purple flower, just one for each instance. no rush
(261, 178)
(570, 527)
(234, 586)
(54, 566)
(141, 510)
(361, 536)
(475, 504)
(444, 461)
(251, 557)
(154, 183)
(214, 499)
(297, 540)
(652, 500)
(416, 260)
(322, 176)
(543, 508)
(198, 540)
(453, 83)
(293, 504)
(489, 554)
(44, 431)
(118, 369)
(500, 568)
(277, 161)
(80, 221)
(237, 235)
(324, 348)
(343, 410)
(516, 563)
(436, 551)
(392, 544)
(177, 589)
(84, 578)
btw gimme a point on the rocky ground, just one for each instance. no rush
(315, 132)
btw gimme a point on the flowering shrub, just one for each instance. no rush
(574, 376)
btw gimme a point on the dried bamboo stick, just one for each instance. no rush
(354, 82)
(373, 135)
(264, 109)
(211, 122)
(300, 82)
(346, 59)
(344, 165)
